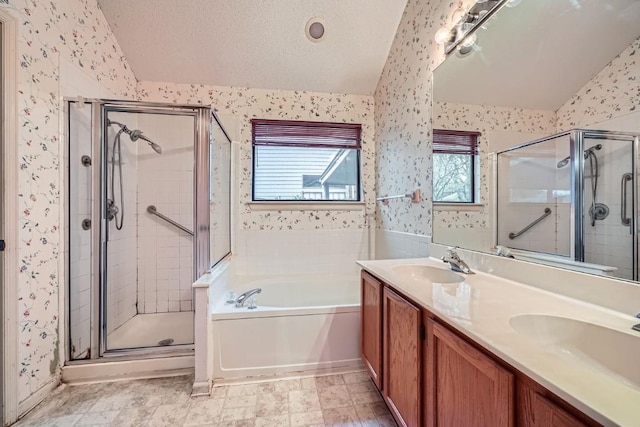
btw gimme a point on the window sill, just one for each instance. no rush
(306, 206)
(457, 206)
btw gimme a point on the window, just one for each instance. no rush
(305, 161)
(454, 166)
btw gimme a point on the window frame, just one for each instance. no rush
(475, 166)
(308, 124)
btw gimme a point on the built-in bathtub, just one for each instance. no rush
(301, 323)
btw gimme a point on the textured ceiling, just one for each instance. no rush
(257, 43)
(540, 53)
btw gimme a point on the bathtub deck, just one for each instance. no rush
(336, 400)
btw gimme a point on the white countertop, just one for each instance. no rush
(481, 308)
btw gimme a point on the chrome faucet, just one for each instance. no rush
(243, 298)
(456, 264)
(503, 251)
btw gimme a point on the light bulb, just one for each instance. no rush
(443, 35)
(469, 41)
(457, 15)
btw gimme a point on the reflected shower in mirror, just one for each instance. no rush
(538, 71)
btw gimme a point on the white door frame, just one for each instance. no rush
(9, 226)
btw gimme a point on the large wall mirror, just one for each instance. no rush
(551, 89)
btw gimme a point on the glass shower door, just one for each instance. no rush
(609, 203)
(148, 241)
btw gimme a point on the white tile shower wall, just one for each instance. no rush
(165, 253)
(79, 198)
(609, 242)
(284, 252)
(76, 31)
(396, 244)
(122, 244)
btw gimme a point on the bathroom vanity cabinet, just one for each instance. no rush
(371, 326)
(402, 357)
(430, 374)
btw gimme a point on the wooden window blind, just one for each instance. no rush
(455, 142)
(306, 134)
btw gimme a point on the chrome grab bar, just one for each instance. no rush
(153, 211)
(547, 212)
(415, 197)
(623, 198)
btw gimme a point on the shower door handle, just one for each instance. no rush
(623, 199)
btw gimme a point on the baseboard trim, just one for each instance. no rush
(106, 371)
(355, 367)
(32, 401)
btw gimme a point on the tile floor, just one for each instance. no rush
(334, 400)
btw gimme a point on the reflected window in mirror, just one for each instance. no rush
(455, 166)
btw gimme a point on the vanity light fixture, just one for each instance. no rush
(467, 45)
(460, 37)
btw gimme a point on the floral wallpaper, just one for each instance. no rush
(77, 31)
(246, 104)
(613, 92)
(403, 115)
(484, 120)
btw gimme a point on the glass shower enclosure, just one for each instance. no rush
(573, 195)
(147, 196)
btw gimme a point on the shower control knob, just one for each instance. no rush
(112, 209)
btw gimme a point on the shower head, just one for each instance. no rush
(135, 135)
(562, 163)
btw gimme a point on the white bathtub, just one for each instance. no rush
(302, 323)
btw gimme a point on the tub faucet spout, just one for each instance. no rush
(243, 298)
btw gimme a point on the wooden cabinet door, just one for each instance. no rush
(402, 359)
(537, 407)
(548, 414)
(468, 389)
(371, 326)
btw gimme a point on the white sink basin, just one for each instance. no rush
(606, 349)
(426, 272)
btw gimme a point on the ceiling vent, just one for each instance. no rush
(315, 30)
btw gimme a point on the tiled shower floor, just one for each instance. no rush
(335, 400)
(147, 330)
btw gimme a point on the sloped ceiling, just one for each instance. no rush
(257, 43)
